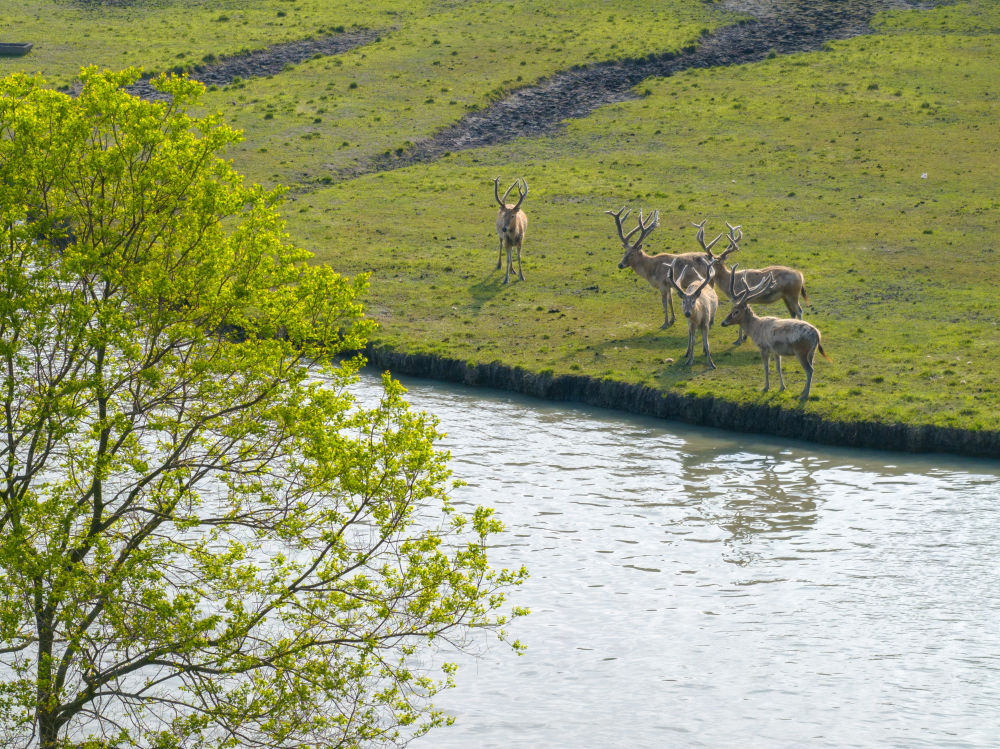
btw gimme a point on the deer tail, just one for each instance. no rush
(805, 296)
(825, 356)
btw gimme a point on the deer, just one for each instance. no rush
(780, 337)
(653, 267)
(789, 283)
(511, 225)
(699, 304)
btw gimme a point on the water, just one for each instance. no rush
(695, 588)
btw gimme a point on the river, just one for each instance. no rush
(697, 588)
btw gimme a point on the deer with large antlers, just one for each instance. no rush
(511, 225)
(698, 303)
(654, 267)
(789, 283)
(780, 337)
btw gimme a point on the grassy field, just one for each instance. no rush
(873, 166)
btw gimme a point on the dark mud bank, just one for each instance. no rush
(775, 420)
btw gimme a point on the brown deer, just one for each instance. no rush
(652, 267)
(698, 303)
(511, 225)
(780, 337)
(789, 283)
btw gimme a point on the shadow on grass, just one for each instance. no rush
(488, 288)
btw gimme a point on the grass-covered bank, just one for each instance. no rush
(871, 166)
(775, 418)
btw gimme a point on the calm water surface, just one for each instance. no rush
(695, 588)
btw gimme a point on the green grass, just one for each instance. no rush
(434, 62)
(162, 35)
(329, 114)
(821, 157)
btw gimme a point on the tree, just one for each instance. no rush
(204, 539)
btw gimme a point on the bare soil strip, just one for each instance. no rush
(781, 27)
(269, 61)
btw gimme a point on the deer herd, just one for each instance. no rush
(693, 276)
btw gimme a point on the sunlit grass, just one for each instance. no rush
(879, 183)
(871, 166)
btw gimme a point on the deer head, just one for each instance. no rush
(747, 294)
(510, 211)
(644, 227)
(688, 300)
(734, 235)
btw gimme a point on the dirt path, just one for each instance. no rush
(269, 61)
(782, 26)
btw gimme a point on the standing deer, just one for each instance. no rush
(780, 337)
(511, 225)
(698, 303)
(653, 267)
(789, 283)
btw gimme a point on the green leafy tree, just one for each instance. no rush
(205, 540)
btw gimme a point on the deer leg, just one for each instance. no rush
(794, 308)
(500, 256)
(704, 342)
(767, 374)
(807, 365)
(668, 308)
(519, 273)
(510, 265)
(781, 377)
(690, 351)
(740, 337)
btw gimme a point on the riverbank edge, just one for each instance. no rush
(642, 400)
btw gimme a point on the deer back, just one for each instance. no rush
(686, 263)
(786, 337)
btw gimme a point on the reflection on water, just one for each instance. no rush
(693, 588)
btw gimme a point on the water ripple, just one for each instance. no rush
(693, 588)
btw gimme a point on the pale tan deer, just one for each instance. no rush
(651, 267)
(699, 304)
(511, 225)
(780, 337)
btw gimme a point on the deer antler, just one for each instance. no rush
(701, 237)
(749, 293)
(734, 235)
(709, 276)
(645, 227)
(622, 214)
(522, 194)
(517, 183)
